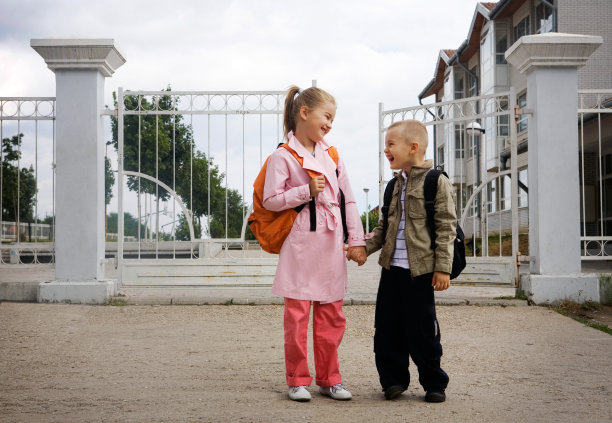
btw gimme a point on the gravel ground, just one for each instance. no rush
(76, 363)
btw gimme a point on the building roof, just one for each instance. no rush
(505, 8)
(489, 6)
(467, 49)
(444, 58)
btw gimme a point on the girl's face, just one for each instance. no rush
(317, 122)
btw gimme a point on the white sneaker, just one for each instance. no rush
(299, 393)
(337, 392)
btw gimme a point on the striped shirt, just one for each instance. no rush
(400, 255)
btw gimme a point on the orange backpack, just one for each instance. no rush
(271, 228)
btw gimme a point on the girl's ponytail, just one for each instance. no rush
(296, 99)
(289, 115)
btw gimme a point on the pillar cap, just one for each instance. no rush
(80, 53)
(552, 49)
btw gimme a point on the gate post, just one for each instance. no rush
(80, 66)
(550, 62)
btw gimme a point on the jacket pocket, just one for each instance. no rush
(416, 204)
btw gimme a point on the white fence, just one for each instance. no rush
(595, 133)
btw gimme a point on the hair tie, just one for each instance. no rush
(298, 92)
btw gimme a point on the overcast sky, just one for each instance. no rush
(362, 52)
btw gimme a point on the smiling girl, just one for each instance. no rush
(311, 268)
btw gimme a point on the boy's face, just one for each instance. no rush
(400, 152)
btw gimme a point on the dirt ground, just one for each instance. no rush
(76, 363)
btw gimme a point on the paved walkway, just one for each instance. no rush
(77, 363)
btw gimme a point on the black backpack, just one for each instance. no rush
(430, 188)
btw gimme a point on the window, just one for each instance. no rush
(522, 28)
(503, 128)
(459, 85)
(501, 44)
(459, 142)
(505, 191)
(492, 197)
(441, 161)
(543, 19)
(468, 193)
(523, 196)
(487, 67)
(522, 120)
(473, 84)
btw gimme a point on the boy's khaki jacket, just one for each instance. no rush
(418, 241)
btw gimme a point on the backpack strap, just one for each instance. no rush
(386, 203)
(333, 153)
(430, 188)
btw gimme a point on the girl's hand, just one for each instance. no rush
(357, 254)
(317, 185)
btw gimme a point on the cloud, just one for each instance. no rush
(363, 52)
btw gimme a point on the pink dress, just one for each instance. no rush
(312, 265)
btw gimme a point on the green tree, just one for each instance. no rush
(177, 161)
(373, 220)
(109, 181)
(26, 197)
(182, 230)
(130, 224)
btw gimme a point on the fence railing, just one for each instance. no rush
(27, 177)
(595, 127)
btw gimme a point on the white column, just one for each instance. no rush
(80, 66)
(550, 62)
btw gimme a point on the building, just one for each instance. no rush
(478, 67)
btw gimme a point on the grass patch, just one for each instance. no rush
(597, 326)
(582, 313)
(229, 302)
(117, 302)
(519, 296)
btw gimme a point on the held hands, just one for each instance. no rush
(357, 254)
(440, 281)
(317, 185)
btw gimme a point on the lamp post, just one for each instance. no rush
(366, 190)
(474, 129)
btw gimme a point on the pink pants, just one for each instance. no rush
(328, 328)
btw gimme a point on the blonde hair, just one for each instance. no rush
(413, 131)
(296, 99)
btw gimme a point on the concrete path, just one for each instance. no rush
(77, 363)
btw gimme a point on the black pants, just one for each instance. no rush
(406, 326)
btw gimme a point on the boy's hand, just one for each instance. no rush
(317, 185)
(357, 254)
(440, 281)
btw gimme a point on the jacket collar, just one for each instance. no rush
(416, 171)
(310, 162)
(324, 165)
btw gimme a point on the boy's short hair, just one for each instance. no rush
(413, 130)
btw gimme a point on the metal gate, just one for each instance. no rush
(185, 166)
(475, 143)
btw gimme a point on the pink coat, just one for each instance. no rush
(311, 265)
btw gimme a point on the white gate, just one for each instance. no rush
(186, 162)
(473, 141)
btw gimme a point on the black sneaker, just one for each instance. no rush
(393, 391)
(435, 396)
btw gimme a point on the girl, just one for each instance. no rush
(311, 267)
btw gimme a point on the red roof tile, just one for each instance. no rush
(449, 52)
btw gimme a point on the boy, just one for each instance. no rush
(405, 319)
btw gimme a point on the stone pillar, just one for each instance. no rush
(80, 66)
(550, 62)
